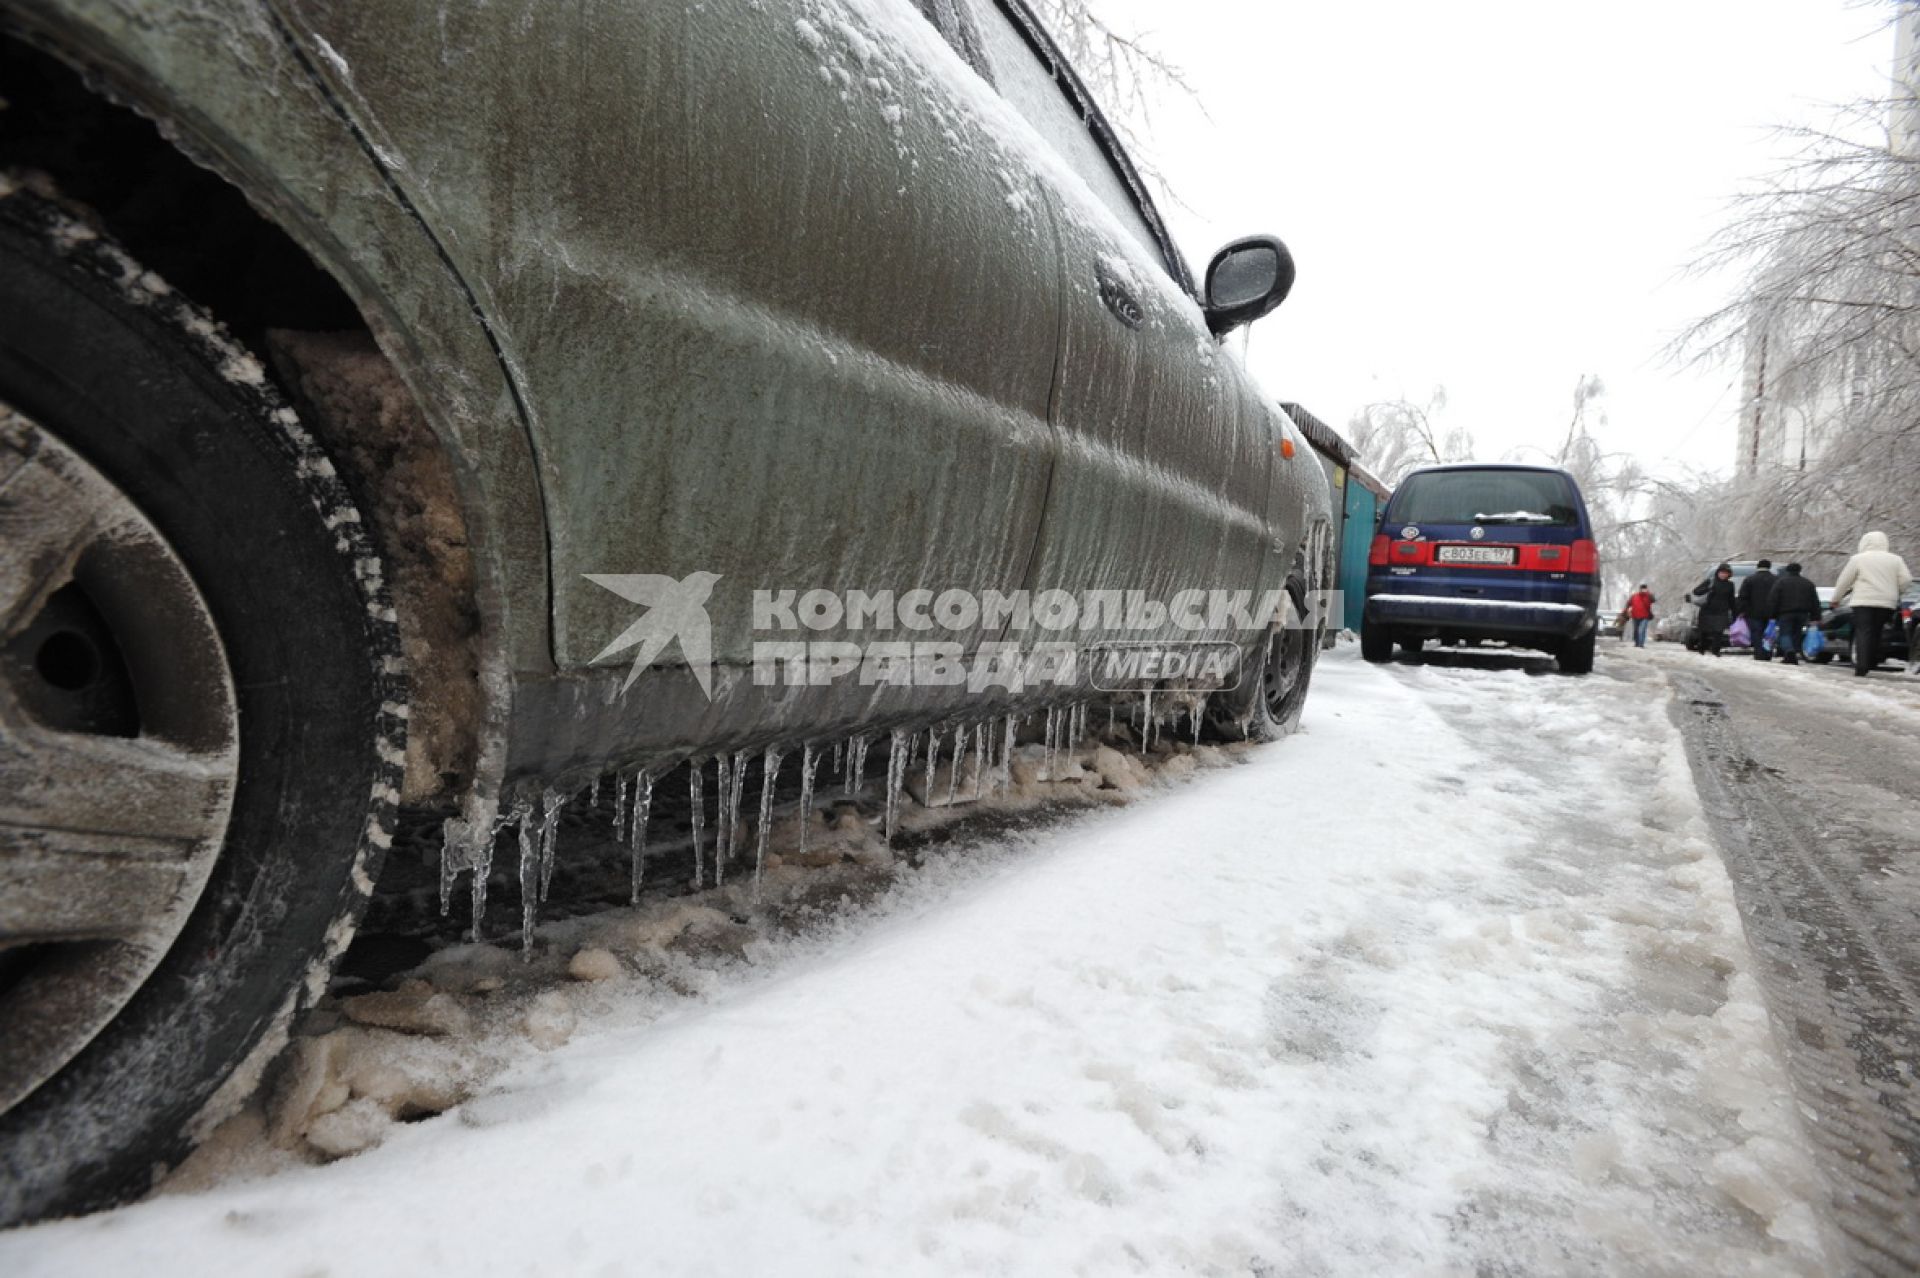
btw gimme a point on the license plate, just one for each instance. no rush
(1473, 554)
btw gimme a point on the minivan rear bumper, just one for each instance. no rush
(1452, 615)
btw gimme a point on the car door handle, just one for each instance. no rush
(1125, 307)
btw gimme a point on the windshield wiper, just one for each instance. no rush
(1514, 517)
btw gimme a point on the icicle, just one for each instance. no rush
(899, 752)
(1109, 718)
(839, 763)
(483, 863)
(860, 744)
(477, 886)
(619, 804)
(1196, 723)
(1046, 744)
(529, 879)
(979, 758)
(769, 773)
(449, 870)
(733, 808)
(1146, 720)
(1007, 734)
(551, 802)
(959, 757)
(809, 760)
(593, 795)
(466, 843)
(642, 808)
(933, 760)
(722, 830)
(695, 767)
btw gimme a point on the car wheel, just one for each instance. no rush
(1576, 655)
(1268, 703)
(202, 717)
(1376, 641)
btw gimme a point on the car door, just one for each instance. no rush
(1163, 479)
(780, 299)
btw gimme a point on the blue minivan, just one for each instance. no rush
(1473, 552)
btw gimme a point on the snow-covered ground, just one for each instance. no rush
(1451, 981)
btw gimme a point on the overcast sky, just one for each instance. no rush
(1495, 197)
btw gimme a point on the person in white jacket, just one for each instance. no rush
(1875, 579)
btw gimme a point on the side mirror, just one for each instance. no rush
(1248, 279)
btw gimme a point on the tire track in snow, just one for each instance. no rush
(1853, 1042)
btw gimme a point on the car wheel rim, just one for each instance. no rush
(119, 752)
(1286, 660)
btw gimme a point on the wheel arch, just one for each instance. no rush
(200, 150)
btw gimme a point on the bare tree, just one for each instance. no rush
(1828, 326)
(1395, 436)
(1126, 73)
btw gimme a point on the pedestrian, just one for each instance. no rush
(1717, 599)
(1755, 603)
(1640, 610)
(1796, 605)
(1875, 578)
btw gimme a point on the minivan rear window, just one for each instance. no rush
(1485, 497)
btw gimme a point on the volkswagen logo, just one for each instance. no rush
(1477, 533)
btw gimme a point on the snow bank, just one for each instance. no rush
(1450, 982)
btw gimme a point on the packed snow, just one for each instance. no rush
(1450, 981)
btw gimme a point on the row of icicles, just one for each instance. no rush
(983, 751)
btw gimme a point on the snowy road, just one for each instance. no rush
(1453, 981)
(1809, 775)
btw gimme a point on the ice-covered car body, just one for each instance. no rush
(840, 294)
(530, 336)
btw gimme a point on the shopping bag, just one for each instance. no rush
(1815, 643)
(1771, 639)
(1739, 634)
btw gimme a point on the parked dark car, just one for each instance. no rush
(1895, 639)
(1484, 552)
(372, 370)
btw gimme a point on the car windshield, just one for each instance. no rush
(1485, 497)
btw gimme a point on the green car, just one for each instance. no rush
(448, 405)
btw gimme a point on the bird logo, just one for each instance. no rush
(675, 610)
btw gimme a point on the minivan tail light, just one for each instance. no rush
(1586, 557)
(1377, 557)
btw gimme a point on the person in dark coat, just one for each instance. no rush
(1755, 603)
(1796, 605)
(1717, 600)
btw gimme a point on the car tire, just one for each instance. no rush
(1376, 641)
(1576, 655)
(293, 701)
(1267, 704)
